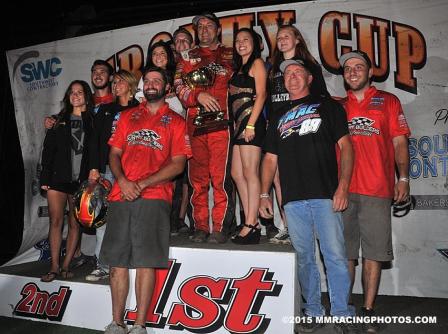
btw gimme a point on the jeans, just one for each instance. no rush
(101, 230)
(308, 220)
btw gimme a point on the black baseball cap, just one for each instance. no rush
(284, 64)
(206, 15)
(355, 54)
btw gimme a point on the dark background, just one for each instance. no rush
(25, 24)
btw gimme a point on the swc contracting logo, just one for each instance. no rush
(37, 74)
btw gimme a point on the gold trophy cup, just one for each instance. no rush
(205, 121)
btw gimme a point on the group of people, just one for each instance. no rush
(332, 163)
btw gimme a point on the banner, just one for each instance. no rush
(407, 41)
(244, 294)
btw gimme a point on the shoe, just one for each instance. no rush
(217, 238)
(50, 276)
(282, 237)
(67, 274)
(97, 274)
(79, 261)
(114, 328)
(182, 227)
(200, 236)
(271, 230)
(251, 238)
(371, 327)
(345, 328)
(308, 326)
(137, 329)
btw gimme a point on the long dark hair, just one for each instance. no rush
(67, 108)
(171, 64)
(256, 52)
(300, 52)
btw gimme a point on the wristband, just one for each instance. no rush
(264, 195)
(404, 179)
(248, 126)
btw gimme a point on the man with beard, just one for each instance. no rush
(379, 132)
(148, 149)
(211, 151)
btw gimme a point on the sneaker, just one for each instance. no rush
(217, 238)
(271, 231)
(97, 274)
(199, 236)
(282, 237)
(371, 327)
(114, 328)
(137, 329)
(79, 261)
(345, 328)
(308, 326)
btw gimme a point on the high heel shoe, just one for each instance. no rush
(251, 238)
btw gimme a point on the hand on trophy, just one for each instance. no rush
(209, 102)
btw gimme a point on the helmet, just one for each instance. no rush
(91, 203)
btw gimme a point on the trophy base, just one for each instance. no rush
(211, 127)
(206, 122)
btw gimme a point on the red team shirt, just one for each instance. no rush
(148, 143)
(373, 123)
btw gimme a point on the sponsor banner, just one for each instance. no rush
(407, 42)
(244, 294)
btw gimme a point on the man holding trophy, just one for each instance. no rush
(201, 84)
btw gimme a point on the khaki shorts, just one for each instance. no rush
(137, 234)
(367, 223)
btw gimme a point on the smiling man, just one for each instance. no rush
(301, 140)
(379, 133)
(148, 149)
(210, 164)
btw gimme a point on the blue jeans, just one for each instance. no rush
(308, 220)
(101, 230)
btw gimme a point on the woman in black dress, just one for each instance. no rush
(247, 93)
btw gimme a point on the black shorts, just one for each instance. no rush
(68, 188)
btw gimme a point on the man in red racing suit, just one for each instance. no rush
(211, 151)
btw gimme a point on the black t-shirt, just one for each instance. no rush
(304, 135)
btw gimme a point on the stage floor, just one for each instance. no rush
(398, 306)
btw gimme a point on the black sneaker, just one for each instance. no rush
(309, 326)
(271, 231)
(79, 261)
(344, 328)
(369, 327)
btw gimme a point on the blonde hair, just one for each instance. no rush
(129, 78)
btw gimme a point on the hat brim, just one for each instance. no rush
(350, 55)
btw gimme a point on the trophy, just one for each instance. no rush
(205, 121)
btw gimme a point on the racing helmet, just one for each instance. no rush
(91, 203)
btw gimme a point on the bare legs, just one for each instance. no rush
(144, 287)
(371, 274)
(245, 172)
(57, 202)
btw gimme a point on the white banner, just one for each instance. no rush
(407, 40)
(243, 294)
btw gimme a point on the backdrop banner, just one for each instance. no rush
(407, 40)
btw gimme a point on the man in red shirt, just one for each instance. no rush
(379, 135)
(148, 149)
(211, 151)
